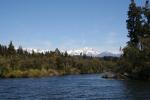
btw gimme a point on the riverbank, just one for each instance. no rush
(124, 76)
(112, 75)
(38, 73)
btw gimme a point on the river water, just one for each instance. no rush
(73, 87)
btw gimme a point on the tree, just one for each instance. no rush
(66, 54)
(1, 49)
(20, 50)
(11, 49)
(147, 12)
(136, 55)
(57, 51)
(134, 23)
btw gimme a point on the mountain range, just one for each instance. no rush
(80, 51)
(92, 52)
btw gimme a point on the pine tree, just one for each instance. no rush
(134, 23)
(20, 50)
(146, 12)
(136, 57)
(66, 54)
(3, 50)
(0, 49)
(145, 39)
(57, 51)
(11, 49)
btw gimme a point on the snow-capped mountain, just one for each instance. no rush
(91, 52)
(107, 54)
(30, 50)
(86, 50)
(81, 51)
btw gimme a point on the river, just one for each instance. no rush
(73, 87)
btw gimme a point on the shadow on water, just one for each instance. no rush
(137, 90)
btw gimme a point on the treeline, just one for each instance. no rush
(135, 62)
(21, 63)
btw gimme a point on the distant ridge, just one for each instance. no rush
(108, 54)
(81, 51)
(92, 52)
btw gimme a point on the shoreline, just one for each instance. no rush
(40, 73)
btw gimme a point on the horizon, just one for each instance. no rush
(97, 24)
(69, 51)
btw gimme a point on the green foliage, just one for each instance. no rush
(136, 58)
(20, 63)
(134, 23)
(11, 49)
(20, 50)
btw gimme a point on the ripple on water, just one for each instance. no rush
(73, 87)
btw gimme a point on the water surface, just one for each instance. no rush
(73, 87)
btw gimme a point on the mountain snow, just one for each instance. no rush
(86, 50)
(80, 51)
(30, 50)
(91, 52)
(106, 54)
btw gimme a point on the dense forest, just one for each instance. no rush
(135, 61)
(21, 63)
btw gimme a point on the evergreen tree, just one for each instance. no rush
(20, 50)
(3, 50)
(146, 12)
(0, 49)
(66, 54)
(145, 39)
(57, 51)
(134, 23)
(136, 57)
(11, 49)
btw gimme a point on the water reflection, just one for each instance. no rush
(137, 90)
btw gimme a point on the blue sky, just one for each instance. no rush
(64, 24)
